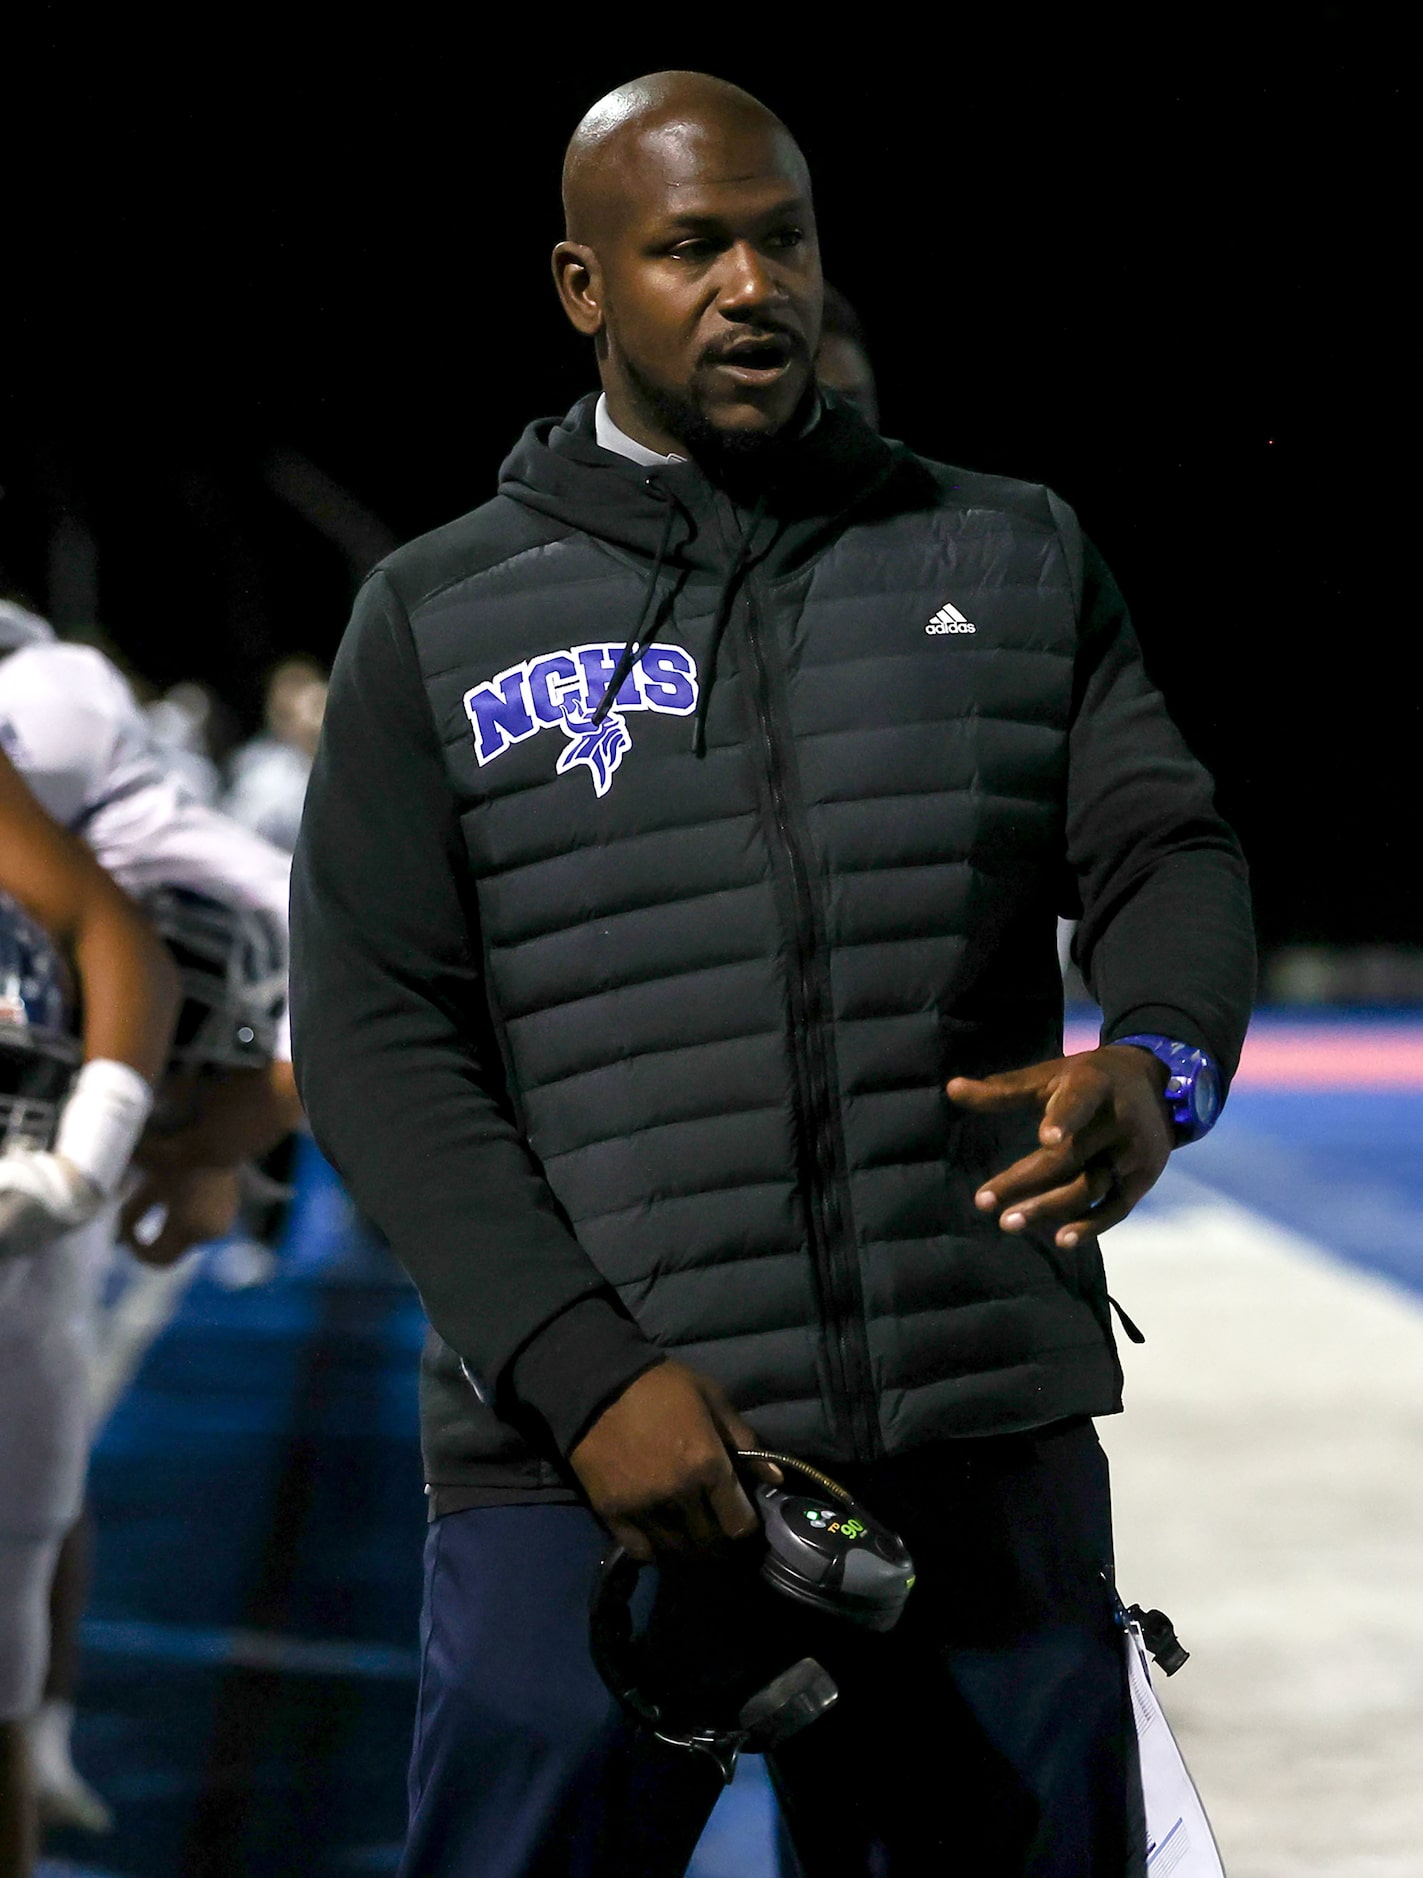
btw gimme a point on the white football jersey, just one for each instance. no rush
(72, 727)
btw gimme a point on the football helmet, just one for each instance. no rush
(232, 966)
(39, 1052)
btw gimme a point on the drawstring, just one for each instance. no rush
(633, 650)
(719, 624)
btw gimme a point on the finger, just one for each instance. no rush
(632, 1541)
(133, 1209)
(738, 1433)
(663, 1527)
(691, 1525)
(730, 1510)
(1102, 1218)
(1077, 1098)
(1033, 1174)
(723, 1497)
(1012, 1089)
(166, 1246)
(1049, 1167)
(145, 1229)
(1088, 1191)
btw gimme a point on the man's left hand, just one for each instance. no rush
(1103, 1140)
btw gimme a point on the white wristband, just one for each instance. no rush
(102, 1121)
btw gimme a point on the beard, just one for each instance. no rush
(729, 456)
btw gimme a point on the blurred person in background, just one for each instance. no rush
(73, 729)
(842, 361)
(269, 774)
(72, 1109)
(178, 725)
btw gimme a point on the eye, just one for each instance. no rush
(695, 248)
(787, 238)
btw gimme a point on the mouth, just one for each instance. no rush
(757, 362)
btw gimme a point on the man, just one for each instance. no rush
(687, 821)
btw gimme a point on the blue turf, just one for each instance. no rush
(1343, 1169)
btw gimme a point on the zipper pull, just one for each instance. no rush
(1135, 1335)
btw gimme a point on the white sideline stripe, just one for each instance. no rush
(1269, 1496)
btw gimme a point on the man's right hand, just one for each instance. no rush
(656, 1467)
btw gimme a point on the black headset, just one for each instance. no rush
(823, 1550)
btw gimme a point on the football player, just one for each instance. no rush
(72, 1108)
(74, 730)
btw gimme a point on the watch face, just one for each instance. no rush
(1205, 1096)
(1193, 1091)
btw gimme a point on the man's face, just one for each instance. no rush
(707, 283)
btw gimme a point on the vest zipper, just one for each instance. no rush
(831, 1240)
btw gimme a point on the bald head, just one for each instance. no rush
(682, 127)
(690, 261)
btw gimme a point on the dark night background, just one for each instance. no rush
(272, 302)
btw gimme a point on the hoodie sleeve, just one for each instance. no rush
(398, 1064)
(1166, 942)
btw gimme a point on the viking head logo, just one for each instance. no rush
(600, 746)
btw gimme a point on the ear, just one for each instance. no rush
(579, 281)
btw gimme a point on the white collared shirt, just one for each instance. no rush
(611, 438)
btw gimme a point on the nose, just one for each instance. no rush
(749, 282)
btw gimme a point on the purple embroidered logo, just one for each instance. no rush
(561, 690)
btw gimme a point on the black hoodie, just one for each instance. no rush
(668, 848)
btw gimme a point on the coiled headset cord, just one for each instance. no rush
(832, 1487)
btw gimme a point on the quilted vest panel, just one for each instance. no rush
(730, 987)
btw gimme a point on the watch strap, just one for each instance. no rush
(1193, 1087)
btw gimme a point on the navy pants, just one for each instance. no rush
(988, 1736)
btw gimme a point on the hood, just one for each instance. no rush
(813, 484)
(678, 520)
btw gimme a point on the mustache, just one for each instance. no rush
(721, 351)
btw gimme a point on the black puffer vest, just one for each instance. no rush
(743, 923)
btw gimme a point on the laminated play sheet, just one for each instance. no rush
(1179, 1840)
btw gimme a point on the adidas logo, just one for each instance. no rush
(948, 619)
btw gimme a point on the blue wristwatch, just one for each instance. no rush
(1193, 1093)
